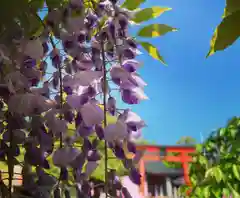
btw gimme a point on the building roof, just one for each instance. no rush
(159, 168)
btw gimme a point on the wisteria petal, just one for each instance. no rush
(123, 116)
(87, 145)
(137, 80)
(116, 131)
(129, 97)
(18, 136)
(94, 155)
(135, 176)
(76, 3)
(85, 78)
(111, 105)
(77, 101)
(16, 81)
(119, 152)
(132, 117)
(99, 131)
(126, 193)
(34, 156)
(91, 167)
(131, 147)
(84, 65)
(64, 156)
(84, 131)
(131, 65)
(92, 114)
(133, 120)
(75, 24)
(46, 141)
(135, 135)
(78, 162)
(58, 126)
(140, 94)
(45, 179)
(68, 81)
(34, 49)
(127, 85)
(117, 72)
(29, 103)
(78, 119)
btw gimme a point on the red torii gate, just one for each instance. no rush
(183, 158)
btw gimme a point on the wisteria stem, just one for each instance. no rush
(105, 116)
(61, 101)
(10, 159)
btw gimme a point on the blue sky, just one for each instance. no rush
(193, 94)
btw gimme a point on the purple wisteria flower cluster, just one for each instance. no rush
(91, 54)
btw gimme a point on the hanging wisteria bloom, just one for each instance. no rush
(57, 96)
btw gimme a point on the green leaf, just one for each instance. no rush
(218, 174)
(217, 192)
(233, 132)
(206, 191)
(149, 13)
(236, 171)
(222, 132)
(36, 4)
(231, 6)
(199, 147)
(226, 33)
(215, 172)
(234, 193)
(132, 5)
(55, 3)
(226, 192)
(155, 30)
(202, 160)
(153, 51)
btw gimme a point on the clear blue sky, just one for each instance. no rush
(192, 94)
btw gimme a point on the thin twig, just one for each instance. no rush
(105, 117)
(10, 159)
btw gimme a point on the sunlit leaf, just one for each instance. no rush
(132, 5)
(234, 193)
(36, 4)
(226, 192)
(149, 13)
(217, 172)
(226, 33)
(206, 191)
(199, 147)
(236, 171)
(155, 30)
(231, 6)
(233, 132)
(217, 192)
(153, 51)
(55, 3)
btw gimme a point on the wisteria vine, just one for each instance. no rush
(91, 54)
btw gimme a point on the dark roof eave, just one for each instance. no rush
(165, 146)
